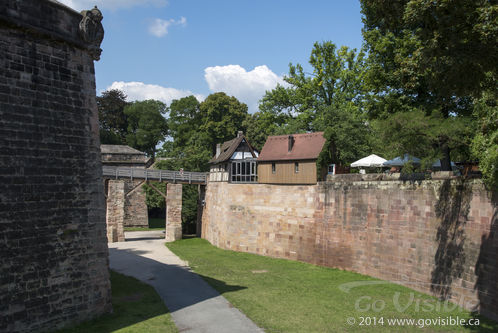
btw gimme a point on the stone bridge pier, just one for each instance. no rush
(118, 208)
(173, 212)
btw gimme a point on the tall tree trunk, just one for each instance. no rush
(446, 160)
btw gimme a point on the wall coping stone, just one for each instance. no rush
(420, 176)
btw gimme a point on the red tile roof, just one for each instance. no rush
(307, 146)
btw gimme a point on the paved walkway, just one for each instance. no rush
(194, 305)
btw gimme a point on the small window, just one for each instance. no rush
(273, 168)
(331, 170)
(296, 167)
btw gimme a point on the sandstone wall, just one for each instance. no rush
(115, 214)
(441, 234)
(173, 212)
(136, 211)
(53, 249)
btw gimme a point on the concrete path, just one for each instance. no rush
(194, 305)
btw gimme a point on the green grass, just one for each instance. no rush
(298, 297)
(137, 309)
(154, 224)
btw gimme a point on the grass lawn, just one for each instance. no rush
(137, 309)
(154, 224)
(287, 296)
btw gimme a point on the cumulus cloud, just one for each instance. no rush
(159, 27)
(247, 86)
(139, 91)
(111, 4)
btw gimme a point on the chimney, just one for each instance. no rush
(239, 134)
(291, 142)
(218, 149)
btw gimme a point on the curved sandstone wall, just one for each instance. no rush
(53, 246)
(438, 236)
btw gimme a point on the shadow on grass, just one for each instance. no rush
(134, 304)
(177, 285)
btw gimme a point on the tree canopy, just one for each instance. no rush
(221, 117)
(112, 120)
(427, 60)
(329, 99)
(146, 125)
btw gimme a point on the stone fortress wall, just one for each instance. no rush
(437, 236)
(53, 246)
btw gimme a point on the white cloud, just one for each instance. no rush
(248, 87)
(139, 91)
(159, 27)
(111, 4)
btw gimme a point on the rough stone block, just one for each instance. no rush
(173, 212)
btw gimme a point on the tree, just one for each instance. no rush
(485, 143)
(112, 120)
(330, 99)
(146, 125)
(427, 59)
(262, 124)
(184, 119)
(221, 117)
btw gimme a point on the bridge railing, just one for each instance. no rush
(159, 175)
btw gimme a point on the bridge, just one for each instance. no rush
(175, 177)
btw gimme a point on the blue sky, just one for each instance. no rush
(167, 49)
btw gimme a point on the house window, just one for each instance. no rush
(296, 167)
(273, 168)
(244, 172)
(331, 170)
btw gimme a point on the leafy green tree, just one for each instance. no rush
(330, 99)
(427, 59)
(485, 144)
(196, 128)
(336, 80)
(184, 119)
(347, 137)
(146, 125)
(221, 117)
(112, 120)
(262, 124)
